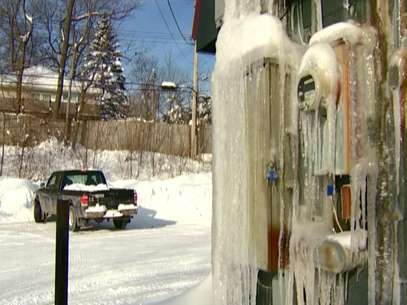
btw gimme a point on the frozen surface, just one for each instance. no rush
(201, 294)
(246, 39)
(342, 30)
(331, 137)
(164, 251)
(345, 239)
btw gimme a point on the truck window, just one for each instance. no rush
(53, 182)
(90, 178)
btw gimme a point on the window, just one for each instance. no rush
(53, 182)
(303, 24)
(308, 16)
(90, 178)
(334, 11)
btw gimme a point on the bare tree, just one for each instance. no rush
(148, 101)
(17, 26)
(64, 53)
(24, 35)
(144, 95)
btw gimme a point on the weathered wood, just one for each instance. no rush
(171, 139)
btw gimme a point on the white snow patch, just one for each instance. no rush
(201, 294)
(271, 41)
(86, 188)
(186, 199)
(16, 200)
(96, 209)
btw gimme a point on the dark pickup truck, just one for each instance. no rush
(89, 198)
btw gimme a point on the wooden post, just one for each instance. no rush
(195, 89)
(62, 253)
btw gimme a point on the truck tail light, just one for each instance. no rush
(84, 200)
(135, 198)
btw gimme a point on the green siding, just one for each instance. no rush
(207, 32)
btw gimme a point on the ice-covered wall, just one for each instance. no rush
(305, 149)
(239, 245)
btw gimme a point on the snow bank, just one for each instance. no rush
(52, 155)
(16, 200)
(185, 199)
(201, 294)
(86, 188)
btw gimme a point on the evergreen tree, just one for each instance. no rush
(104, 69)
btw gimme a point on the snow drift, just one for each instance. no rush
(16, 200)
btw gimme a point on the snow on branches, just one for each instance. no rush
(104, 69)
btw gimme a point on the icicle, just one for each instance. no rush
(371, 218)
(397, 134)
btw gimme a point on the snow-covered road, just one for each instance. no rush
(164, 251)
(135, 266)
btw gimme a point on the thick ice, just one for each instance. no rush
(343, 30)
(242, 41)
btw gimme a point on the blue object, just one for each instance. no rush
(272, 175)
(330, 190)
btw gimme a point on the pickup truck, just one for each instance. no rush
(89, 198)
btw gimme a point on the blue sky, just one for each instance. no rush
(152, 26)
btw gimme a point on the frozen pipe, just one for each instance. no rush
(336, 254)
(346, 31)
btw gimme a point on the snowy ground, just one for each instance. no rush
(163, 252)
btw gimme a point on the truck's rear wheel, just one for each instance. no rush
(38, 214)
(120, 223)
(73, 220)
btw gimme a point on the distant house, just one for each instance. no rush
(39, 91)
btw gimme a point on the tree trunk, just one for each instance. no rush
(71, 77)
(2, 144)
(21, 66)
(64, 54)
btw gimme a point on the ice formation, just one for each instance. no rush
(263, 131)
(238, 247)
(298, 179)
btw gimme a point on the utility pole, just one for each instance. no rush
(194, 140)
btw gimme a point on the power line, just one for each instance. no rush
(176, 22)
(32, 77)
(145, 32)
(154, 40)
(168, 27)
